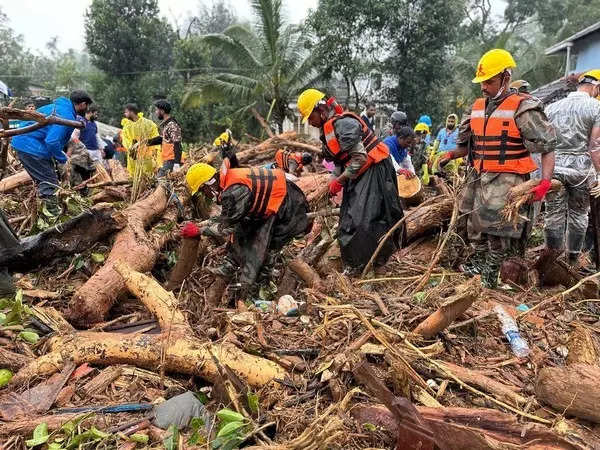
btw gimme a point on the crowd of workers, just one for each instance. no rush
(505, 139)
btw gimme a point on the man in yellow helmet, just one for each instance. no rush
(363, 169)
(577, 122)
(260, 212)
(499, 134)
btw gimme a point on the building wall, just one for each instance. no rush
(588, 53)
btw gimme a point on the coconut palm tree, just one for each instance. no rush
(264, 65)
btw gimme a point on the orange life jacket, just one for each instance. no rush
(377, 151)
(268, 187)
(283, 157)
(499, 146)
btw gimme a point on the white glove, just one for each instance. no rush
(176, 167)
(595, 190)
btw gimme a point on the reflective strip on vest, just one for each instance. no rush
(268, 188)
(499, 146)
(377, 151)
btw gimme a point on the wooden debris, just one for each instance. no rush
(11, 360)
(14, 181)
(101, 381)
(520, 195)
(186, 260)
(582, 349)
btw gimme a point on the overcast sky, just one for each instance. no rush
(40, 20)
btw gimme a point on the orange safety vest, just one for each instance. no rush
(499, 146)
(268, 187)
(377, 151)
(282, 159)
(167, 150)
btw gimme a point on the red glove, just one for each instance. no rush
(540, 191)
(190, 230)
(335, 186)
(407, 173)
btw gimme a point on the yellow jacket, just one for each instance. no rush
(141, 131)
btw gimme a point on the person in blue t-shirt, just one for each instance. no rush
(447, 136)
(38, 149)
(399, 145)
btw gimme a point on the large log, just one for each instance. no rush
(12, 361)
(477, 429)
(92, 301)
(175, 349)
(266, 150)
(186, 259)
(74, 236)
(428, 218)
(571, 390)
(18, 179)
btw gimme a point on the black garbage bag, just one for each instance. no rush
(254, 238)
(370, 207)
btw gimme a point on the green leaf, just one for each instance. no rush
(40, 435)
(230, 428)
(55, 446)
(98, 257)
(226, 415)
(78, 263)
(139, 438)
(202, 397)
(5, 377)
(231, 443)
(171, 442)
(420, 296)
(29, 336)
(252, 401)
(197, 436)
(369, 427)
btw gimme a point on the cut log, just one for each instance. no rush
(92, 301)
(176, 349)
(428, 218)
(117, 171)
(452, 308)
(74, 236)
(582, 349)
(186, 259)
(571, 390)
(266, 150)
(477, 429)
(307, 274)
(18, 179)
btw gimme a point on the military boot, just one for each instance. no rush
(225, 270)
(474, 265)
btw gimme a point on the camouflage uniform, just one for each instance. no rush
(492, 239)
(419, 157)
(573, 117)
(81, 164)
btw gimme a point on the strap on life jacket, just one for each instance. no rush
(268, 188)
(377, 151)
(282, 159)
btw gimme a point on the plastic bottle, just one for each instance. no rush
(511, 331)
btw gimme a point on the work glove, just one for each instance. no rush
(407, 173)
(445, 159)
(595, 190)
(133, 150)
(540, 191)
(190, 230)
(335, 187)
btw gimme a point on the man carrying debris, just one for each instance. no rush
(137, 131)
(370, 204)
(499, 134)
(577, 122)
(169, 139)
(291, 162)
(260, 212)
(39, 150)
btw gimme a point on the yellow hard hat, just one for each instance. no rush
(595, 74)
(224, 138)
(422, 127)
(492, 63)
(197, 175)
(307, 102)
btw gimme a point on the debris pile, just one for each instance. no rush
(115, 319)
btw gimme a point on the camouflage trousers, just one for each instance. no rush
(567, 212)
(491, 238)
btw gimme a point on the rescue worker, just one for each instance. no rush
(520, 86)
(291, 162)
(89, 136)
(419, 152)
(399, 146)
(398, 119)
(169, 139)
(500, 132)
(41, 149)
(261, 212)
(370, 204)
(137, 131)
(427, 121)
(576, 119)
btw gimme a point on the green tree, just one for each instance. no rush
(263, 66)
(14, 59)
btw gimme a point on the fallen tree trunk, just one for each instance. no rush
(477, 429)
(307, 274)
(266, 150)
(14, 181)
(176, 349)
(117, 171)
(428, 218)
(109, 194)
(92, 301)
(74, 236)
(186, 259)
(452, 308)
(12, 361)
(571, 390)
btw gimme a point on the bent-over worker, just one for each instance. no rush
(291, 162)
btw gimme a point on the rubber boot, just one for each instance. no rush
(225, 270)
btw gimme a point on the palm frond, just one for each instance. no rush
(218, 88)
(243, 33)
(268, 13)
(235, 49)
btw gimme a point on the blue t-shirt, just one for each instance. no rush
(447, 140)
(88, 134)
(396, 151)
